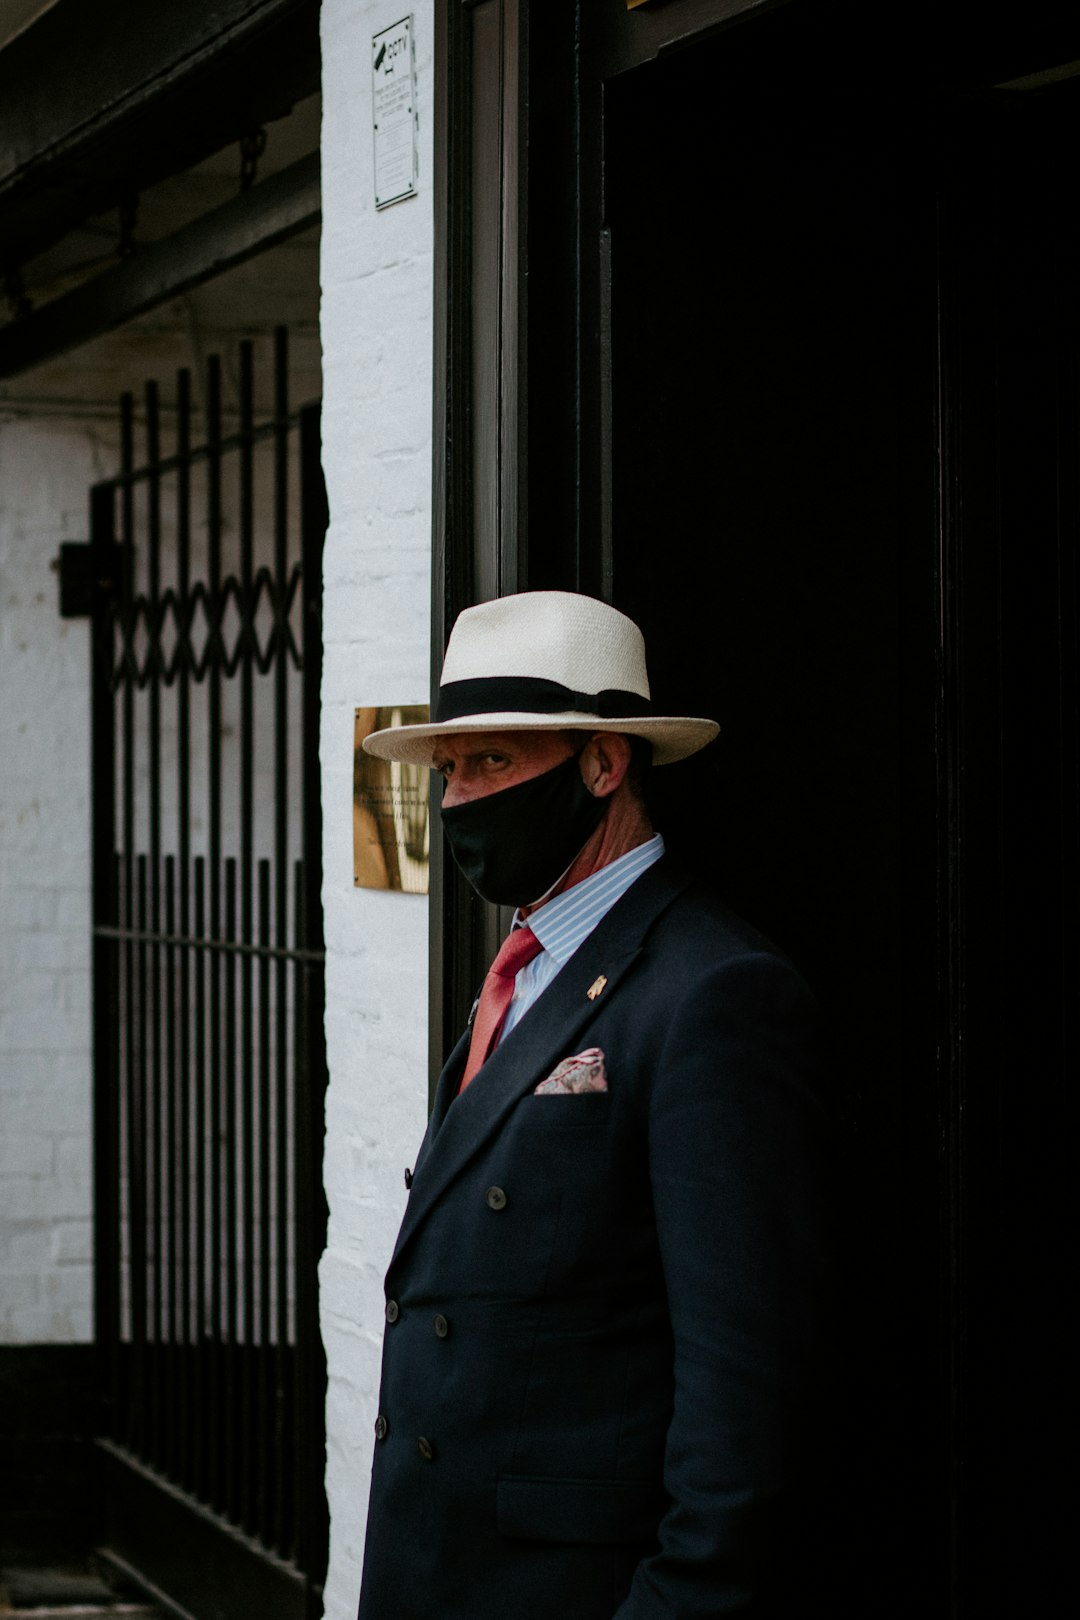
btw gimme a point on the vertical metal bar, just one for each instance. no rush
(263, 1460)
(302, 1442)
(136, 1235)
(281, 896)
(203, 1115)
(282, 1363)
(136, 1199)
(281, 664)
(107, 1292)
(170, 1349)
(156, 1118)
(183, 811)
(228, 1175)
(313, 522)
(139, 1199)
(120, 1370)
(247, 861)
(607, 540)
(215, 659)
(310, 1391)
(311, 1536)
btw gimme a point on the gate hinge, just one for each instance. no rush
(82, 587)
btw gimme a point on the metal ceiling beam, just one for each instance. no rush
(98, 103)
(275, 209)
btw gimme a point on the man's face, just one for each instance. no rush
(484, 762)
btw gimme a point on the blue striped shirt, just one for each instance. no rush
(562, 924)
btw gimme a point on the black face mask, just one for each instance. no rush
(515, 845)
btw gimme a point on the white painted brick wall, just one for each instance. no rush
(377, 336)
(46, 468)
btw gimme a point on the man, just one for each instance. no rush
(605, 1309)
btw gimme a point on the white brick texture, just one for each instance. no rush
(46, 469)
(377, 336)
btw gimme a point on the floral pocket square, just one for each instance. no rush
(574, 1075)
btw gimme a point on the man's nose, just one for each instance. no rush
(459, 790)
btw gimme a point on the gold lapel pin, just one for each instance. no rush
(596, 987)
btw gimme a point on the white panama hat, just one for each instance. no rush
(544, 661)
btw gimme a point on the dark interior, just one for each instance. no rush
(801, 393)
(843, 495)
(771, 372)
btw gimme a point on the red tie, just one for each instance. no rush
(519, 947)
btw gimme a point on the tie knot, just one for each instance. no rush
(519, 947)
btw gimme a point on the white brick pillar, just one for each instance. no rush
(377, 341)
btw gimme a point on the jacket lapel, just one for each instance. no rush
(445, 1092)
(460, 1126)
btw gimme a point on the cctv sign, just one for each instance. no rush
(393, 77)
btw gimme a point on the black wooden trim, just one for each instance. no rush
(249, 223)
(479, 477)
(973, 43)
(450, 472)
(628, 38)
(496, 360)
(950, 943)
(168, 1544)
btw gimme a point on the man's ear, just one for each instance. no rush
(604, 762)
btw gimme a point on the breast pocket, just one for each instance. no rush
(560, 1111)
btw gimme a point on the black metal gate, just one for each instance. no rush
(208, 998)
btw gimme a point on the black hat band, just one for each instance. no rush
(531, 694)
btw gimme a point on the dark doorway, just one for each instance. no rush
(769, 374)
(785, 361)
(837, 458)
(772, 487)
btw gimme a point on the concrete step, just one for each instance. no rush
(66, 1593)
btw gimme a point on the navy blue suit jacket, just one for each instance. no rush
(606, 1312)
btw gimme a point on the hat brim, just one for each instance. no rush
(673, 738)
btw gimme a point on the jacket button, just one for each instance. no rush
(426, 1449)
(381, 1427)
(442, 1326)
(392, 1311)
(408, 1180)
(496, 1198)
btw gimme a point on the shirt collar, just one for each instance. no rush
(563, 923)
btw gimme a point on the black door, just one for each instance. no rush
(1011, 363)
(778, 352)
(835, 464)
(208, 999)
(772, 345)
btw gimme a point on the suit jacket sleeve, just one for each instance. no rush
(737, 1165)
